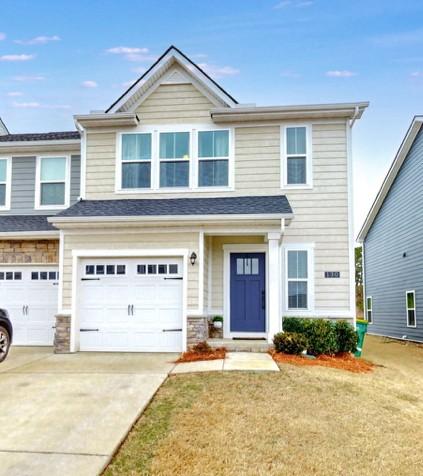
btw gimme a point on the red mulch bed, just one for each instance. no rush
(193, 356)
(340, 361)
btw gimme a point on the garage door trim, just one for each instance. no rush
(77, 255)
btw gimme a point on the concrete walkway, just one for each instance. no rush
(233, 361)
(67, 414)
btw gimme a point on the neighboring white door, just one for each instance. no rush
(30, 294)
(131, 305)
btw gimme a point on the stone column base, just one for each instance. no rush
(197, 330)
(62, 334)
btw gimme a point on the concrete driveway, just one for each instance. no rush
(66, 414)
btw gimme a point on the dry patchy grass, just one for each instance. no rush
(301, 421)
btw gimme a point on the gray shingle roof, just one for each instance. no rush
(40, 136)
(18, 223)
(258, 205)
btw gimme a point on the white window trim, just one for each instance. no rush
(38, 205)
(410, 308)
(284, 157)
(8, 183)
(155, 130)
(309, 247)
(371, 310)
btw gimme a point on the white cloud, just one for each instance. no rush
(14, 94)
(37, 105)
(39, 40)
(89, 84)
(340, 73)
(132, 53)
(293, 3)
(218, 71)
(139, 69)
(2, 36)
(417, 74)
(17, 57)
(290, 74)
(127, 84)
(35, 77)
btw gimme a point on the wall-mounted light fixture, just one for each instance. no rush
(192, 258)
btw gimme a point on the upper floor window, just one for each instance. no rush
(136, 161)
(52, 182)
(296, 156)
(174, 159)
(411, 309)
(4, 184)
(162, 159)
(298, 279)
(213, 158)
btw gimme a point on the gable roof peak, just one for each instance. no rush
(153, 74)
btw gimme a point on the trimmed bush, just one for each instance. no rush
(293, 324)
(290, 342)
(346, 337)
(321, 337)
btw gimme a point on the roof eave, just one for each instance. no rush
(241, 114)
(399, 158)
(122, 119)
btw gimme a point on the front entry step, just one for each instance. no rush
(241, 345)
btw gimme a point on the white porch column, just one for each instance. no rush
(274, 314)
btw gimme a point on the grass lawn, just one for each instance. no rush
(300, 421)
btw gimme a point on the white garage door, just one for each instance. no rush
(131, 305)
(30, 296)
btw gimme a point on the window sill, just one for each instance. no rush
(51, 207)
(296, 187)
(169, 190)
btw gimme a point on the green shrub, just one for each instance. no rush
(290, 342)
(293, 324)
(321, 337)
(346, 337)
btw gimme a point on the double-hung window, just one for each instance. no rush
(369, 309)
(136, 161)
(213, 158)
(298, 279)
(52, 182)
(411, 308)
(4, 183)
(174, 153)
(297, 166)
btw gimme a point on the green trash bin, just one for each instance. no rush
(361, 331)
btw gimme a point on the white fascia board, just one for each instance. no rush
(395, 167)
(169, 218)
(106, 119)
(173, 55)
(345, 110)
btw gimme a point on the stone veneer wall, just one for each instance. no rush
(62, 334)
(197, 330)
(29, 251)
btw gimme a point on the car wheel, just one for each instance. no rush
(4, 343)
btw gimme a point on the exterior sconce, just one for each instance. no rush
(192, 258)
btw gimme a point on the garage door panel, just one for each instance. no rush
(131, 311)
(30, 295)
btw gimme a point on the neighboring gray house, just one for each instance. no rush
(392, 238)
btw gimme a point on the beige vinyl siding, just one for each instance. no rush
(100, 165)
(128, 239)
(175, 103)
(216, 301)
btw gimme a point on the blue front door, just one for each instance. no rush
(248, 292)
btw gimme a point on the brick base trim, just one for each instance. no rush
(197, 329)
(62, 334)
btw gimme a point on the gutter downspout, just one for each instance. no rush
(83, 133)
(355, 116)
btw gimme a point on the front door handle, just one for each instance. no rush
(132, 309)
(129, 309)
(263, 300)
(23, 310)
(27, 308)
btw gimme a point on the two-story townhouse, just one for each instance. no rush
(393, 247)
(194, 205)
(39, 176)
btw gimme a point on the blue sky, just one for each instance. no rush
(67, 57)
